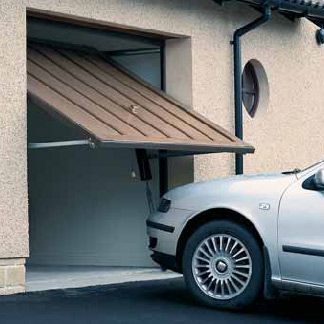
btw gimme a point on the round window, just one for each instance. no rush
(254, 87)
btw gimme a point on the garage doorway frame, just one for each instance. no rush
(112, 27)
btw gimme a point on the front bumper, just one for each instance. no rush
(165, 229)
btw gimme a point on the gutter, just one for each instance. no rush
(238, 78)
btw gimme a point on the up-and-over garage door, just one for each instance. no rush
(115, 107)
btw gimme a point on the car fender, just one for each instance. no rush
(262, 228)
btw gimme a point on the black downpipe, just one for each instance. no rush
(238, 79)
(163, 161)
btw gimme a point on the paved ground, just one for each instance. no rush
(61, 277)
(156, 302)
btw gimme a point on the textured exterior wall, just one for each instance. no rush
(13, 157)
(288, 134)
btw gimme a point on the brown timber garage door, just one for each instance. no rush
(115, 107)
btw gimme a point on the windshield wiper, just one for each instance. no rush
(296, 170)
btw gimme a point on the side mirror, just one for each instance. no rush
(319, 179)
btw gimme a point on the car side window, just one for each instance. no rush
(309, 184)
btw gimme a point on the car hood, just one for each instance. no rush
(231, 190)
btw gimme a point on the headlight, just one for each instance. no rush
(164, 206)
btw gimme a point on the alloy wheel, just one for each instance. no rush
(222, 266)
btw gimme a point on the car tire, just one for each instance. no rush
(215, 274)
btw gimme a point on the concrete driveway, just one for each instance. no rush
(163, 301)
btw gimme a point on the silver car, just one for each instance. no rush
(238, 238)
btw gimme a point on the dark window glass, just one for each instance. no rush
(250, 89)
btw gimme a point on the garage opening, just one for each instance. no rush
(87, 208)
(87, 116)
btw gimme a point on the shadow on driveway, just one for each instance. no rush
(163, 301)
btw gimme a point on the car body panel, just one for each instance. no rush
(301, 234)
(241, 194)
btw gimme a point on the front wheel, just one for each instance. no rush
(223, 265)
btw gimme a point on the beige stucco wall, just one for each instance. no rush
(288, 134)
(13, 174)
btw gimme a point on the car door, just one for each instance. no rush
(301, 232)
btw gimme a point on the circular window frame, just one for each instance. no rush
(258, 87)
